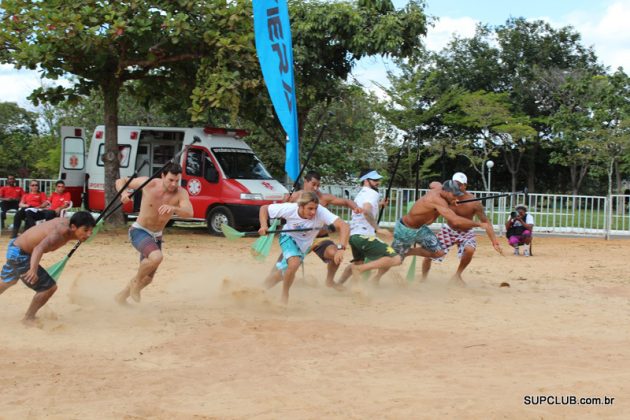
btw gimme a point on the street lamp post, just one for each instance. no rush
(489, 164)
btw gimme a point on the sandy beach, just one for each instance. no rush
(208, 342)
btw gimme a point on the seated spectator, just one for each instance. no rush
(10, 196)
(30, 203)
(519, 229)
(59, 201)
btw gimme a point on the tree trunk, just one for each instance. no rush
(111, 92)
(531, 167)
(618, 179)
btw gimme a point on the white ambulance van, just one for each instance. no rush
(226, 181)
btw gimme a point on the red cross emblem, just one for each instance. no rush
(267, 185)
(74, 161)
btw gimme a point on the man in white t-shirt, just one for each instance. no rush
(363, 230)
(305, 214)
(323, 246)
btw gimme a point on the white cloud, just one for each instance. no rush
(18, 84)
(445, 28)
(607, 33)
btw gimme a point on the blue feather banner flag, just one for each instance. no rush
(275, 54)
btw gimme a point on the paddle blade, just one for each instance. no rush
(231, 233)
(96, 230)
(411, 274)
(55, 270)
(262, 246)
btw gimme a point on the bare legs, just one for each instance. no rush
(463, 263)
(287, 278)
(38, 301)
(144, 276)
(358, 267)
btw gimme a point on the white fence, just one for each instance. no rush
(553, 213)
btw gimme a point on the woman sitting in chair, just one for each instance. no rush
(519, 230)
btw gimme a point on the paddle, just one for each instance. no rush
(488, 197)
(391, 180)
(262, 246)
(56, 269)
(233, 234)
(411, 273)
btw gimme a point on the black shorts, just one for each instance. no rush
(320, 249)
(44, 281)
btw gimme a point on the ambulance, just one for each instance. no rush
(226, 181)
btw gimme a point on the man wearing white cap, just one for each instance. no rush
(450, 235)
(363, 230)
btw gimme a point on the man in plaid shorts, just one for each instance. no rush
(464, 239)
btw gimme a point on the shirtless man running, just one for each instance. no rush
(162, 198)
(414, 226)
(25, 252)
(463, 238)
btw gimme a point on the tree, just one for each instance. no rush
(18, 139)
(107, 44)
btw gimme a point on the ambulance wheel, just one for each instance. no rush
(217, 217)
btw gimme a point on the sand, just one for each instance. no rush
(208, 342)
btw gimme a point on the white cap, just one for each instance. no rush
(370, 175)
(460, 177)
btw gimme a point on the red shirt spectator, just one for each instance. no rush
(33, 198)
(59, 201)
(11, 191)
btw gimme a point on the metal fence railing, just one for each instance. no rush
(553, 213)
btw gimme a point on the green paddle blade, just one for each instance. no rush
(231, 233)
(411, 274)
(55, 270)
(96, 230)
(262, 246)
(366, 274)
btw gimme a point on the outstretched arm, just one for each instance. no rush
(489, 228)
(344, 234)
(49, 243)
(326, 199)
(263, 218)
(134, 184)
(458, 222)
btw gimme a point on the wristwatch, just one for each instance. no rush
(339, 246)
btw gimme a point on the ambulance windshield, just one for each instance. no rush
(240, 163)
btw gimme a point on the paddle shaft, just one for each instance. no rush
(391, 179)
(470, 200)
(151, 178)
(115, 199)
(308, 157)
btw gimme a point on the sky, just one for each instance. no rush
(602, 24)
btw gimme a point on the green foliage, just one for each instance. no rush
(21, 144)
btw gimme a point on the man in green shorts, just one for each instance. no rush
(413, 227)
(363, 230)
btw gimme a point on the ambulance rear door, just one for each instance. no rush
(72, 163)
